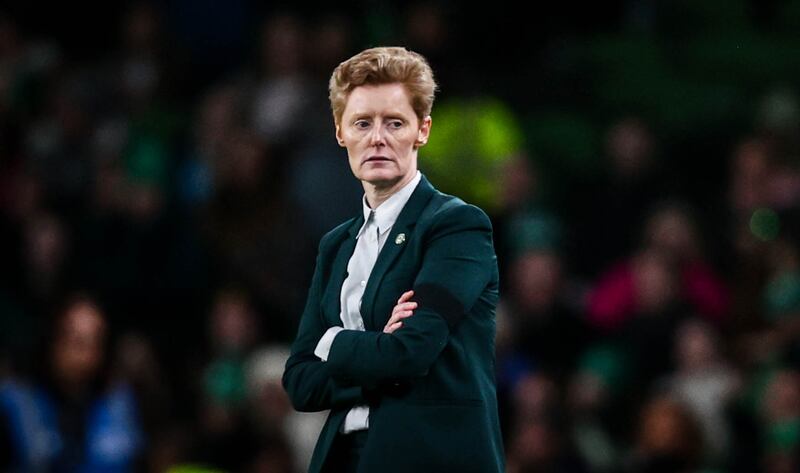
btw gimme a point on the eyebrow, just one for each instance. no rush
(363, 115)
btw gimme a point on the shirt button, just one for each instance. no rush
(363, 283)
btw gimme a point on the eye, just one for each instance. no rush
(361, 124)
(396, 124)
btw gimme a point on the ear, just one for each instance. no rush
(339, 138)
(424, 132)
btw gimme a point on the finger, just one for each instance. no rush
(401, 315)
(396, 316)
(391, 328)
(404, 307)
(405, 297)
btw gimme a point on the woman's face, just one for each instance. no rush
(78, 351)
(382, 134)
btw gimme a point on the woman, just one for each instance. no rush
(397, 336)
(73, 417)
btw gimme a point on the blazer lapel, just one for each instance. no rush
(332, 298)
(393, 247)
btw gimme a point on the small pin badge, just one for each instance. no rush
(400, 239)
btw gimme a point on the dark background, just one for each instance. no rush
(174, 163)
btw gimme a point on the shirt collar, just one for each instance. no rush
(386, 213)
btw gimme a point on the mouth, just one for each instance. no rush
(376, 159)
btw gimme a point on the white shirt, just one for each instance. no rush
(371, 237)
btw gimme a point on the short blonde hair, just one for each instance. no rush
(384, 65)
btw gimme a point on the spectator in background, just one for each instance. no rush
(612, 209)
(749, 176)
(766, 421)
(781, 296)
(547, 330)
(72, 416)
(139, 69)
(55, 143)
(286, 437)
(224, 436)
(777, 122)
(26, 64)
(599, 409)
(332, 36)
(45, 252)
(37, 281)
(705, 383)
(246, 422)
(541, 446)
(539, 440)
(780, 422)
(762, 181)
(748, 190)
(136, 363)
(430, 27)
(668, 439)
(21, 201)
(216, 119)
(522, 220)
(670, 270)
(280, 94)
(255, 231)
(146, 157)
(672, 228)
(639, 306)
(777, 336)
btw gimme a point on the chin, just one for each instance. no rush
(380, 177)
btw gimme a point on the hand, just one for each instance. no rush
(403, 309)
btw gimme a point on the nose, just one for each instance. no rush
(376, 137)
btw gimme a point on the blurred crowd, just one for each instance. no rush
(161, 203)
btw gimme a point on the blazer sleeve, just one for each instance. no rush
(307, 379)
(458, 264)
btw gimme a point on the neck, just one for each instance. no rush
(378, 193)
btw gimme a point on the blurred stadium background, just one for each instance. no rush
(167, 169)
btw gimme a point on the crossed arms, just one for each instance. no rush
(457, 265)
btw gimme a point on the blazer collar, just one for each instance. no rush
(386, 214)
(358, 222)
(408, 216)
(393, 247)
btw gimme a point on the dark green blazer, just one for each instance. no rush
(430, 385)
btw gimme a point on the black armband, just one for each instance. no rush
(439, 300)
